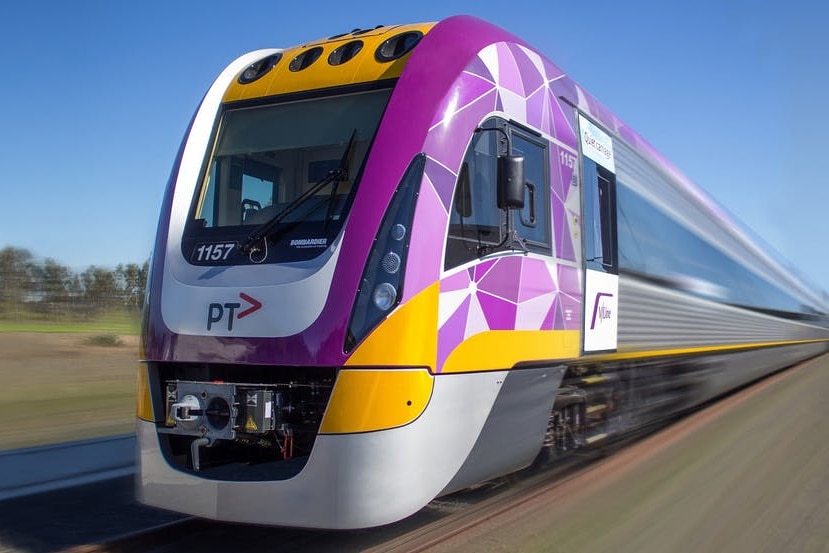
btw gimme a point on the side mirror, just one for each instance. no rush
(511, 182)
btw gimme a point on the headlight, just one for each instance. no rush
(384, 296)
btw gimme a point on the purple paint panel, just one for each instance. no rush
(563, 125)
(425, 243)
(532, 79)
(531, 314)
(475, 321)
(452, 332)
(556, 176)
(551, 70)
(482, 269)
(503, 279)
(538, 113)
(570, 296)
(553, 320)
(442, 180)
(499, 313)
(458, 281)
(559, 321)
(479, 68)
(509, 76)
(535, 280)
(569, 281)
(571, 313)
(466, 90)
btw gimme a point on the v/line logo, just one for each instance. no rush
(600, 310)
(216, 311)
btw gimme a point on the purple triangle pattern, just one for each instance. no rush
(478, 67)
(442, 181)
(501, 280)
(509, 75)
(452, 332)
(508, 292)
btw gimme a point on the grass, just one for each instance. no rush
(59, 385)
(98, 411)
(105, 340)
(116, 322)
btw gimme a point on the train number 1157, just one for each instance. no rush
(213, 252)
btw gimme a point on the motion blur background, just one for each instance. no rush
(97, 95)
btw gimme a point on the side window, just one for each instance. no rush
(600, 218)
(476, 225)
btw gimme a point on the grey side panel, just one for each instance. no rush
(514, 431)
(655, 317)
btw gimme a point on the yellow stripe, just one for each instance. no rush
(408, 337)
(144, 404)
(363, 68)
(368, 400)
(503, 349)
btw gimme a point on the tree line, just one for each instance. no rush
(47, 289)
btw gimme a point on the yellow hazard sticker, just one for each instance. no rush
(250, 426)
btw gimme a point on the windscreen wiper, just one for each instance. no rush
(266, 229)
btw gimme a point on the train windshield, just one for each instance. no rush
(267, 158)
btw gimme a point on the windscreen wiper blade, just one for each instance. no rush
(266, 229)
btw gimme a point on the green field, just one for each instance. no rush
(115, 323)
(67, 381)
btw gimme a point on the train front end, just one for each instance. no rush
(323, 345)
(268, 271)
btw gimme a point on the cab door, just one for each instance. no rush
(600, 246)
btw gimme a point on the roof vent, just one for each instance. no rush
(305, 59)
(397, 46)
(258, 69)
(345, 52)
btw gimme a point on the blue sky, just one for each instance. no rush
(96, 97)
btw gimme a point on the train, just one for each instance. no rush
(401, 261)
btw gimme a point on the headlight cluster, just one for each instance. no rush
(382, 281)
